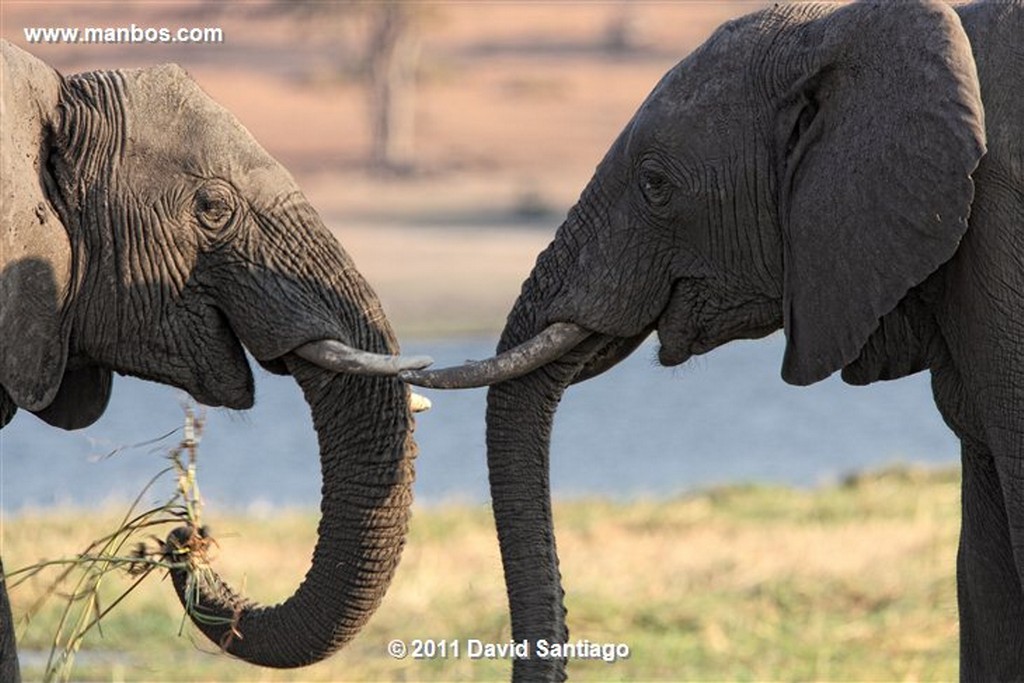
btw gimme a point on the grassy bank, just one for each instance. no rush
(853, 582)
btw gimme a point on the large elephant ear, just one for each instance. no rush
(35, 252)
(879, 137)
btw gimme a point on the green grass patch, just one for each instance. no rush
(848, 582)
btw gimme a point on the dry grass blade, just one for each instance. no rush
(132, 548)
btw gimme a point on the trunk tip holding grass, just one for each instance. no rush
(367, 454)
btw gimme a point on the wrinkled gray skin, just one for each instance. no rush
(145, 232)
(822, 169)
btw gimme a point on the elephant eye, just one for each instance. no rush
(656, 187)
(214, 205)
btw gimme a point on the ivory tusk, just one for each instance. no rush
(553, 343)
(418, 403)
(335, 356)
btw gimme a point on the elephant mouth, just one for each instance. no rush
(676, 350)
(340, 358)
(595, 352)
(226, 375)
(697, 320)
(672, 352)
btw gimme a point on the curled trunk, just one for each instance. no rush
(364, 430)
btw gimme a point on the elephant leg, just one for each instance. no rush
(989, 594)
(9, 672)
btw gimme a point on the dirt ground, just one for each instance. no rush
(515, 105)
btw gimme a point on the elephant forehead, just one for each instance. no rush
(732, 76)
(169, 117)
(703, 98)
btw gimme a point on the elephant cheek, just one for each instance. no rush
(222, 376)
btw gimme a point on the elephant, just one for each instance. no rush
(145, 232)
(850, 173)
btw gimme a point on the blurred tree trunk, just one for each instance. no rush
(388, 35)
(622, 34)
(392, 58)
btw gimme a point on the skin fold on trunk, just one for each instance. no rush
(367, 456)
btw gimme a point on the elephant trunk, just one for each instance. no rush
(364, 430)
(520, 413)
(519, 419)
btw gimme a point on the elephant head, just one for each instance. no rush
(807, 168)
(146, 232)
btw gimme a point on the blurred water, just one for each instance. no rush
(638, 430)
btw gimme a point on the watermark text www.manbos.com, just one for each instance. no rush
(472, 648)
(124, 35)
